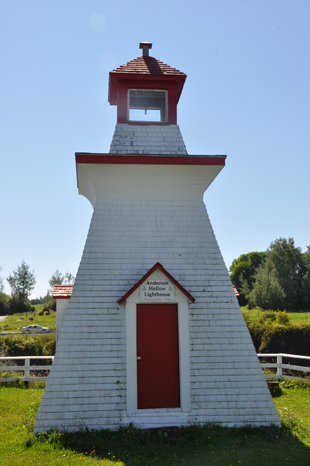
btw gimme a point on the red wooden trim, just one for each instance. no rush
(122, 100)
(152, 81)
(148, 159)
(170, 277)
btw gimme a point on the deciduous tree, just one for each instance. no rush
(59, 279)
(267, 292)
(276, 279)
(283, 281)
(242, 273)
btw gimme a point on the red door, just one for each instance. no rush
(158, 348)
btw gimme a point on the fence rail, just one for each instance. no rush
(26, 368)
(280, 366)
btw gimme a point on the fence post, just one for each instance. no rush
(27, 365)
(279, 364)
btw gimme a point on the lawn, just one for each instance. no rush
(14, 322)
(191, 446)
(295, 317)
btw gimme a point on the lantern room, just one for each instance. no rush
(146, 90)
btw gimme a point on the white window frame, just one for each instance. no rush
(154, 90)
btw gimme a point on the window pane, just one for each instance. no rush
(147, 105)
(136, 114)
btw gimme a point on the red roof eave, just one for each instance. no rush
(170, 277)
(82, 157)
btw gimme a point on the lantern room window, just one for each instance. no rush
(147, 105)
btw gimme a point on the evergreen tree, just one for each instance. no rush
(1, 283)
(22, 281)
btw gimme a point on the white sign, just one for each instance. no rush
(157, 290)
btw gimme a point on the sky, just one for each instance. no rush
(246, 95)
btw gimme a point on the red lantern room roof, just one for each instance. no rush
(146, 70)
(148, 65)
(62, 291)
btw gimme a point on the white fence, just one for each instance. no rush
(26, 368)
(280, 366)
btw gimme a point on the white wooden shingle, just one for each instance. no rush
(139, 220)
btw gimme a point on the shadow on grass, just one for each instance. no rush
(193, 446)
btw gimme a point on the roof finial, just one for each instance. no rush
(145, 46)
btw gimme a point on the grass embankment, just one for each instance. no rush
(15, 322)
(192, 446)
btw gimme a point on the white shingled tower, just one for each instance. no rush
(153, 333)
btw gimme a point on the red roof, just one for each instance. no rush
(170, 277)
(62, 291)
(147, 65)
(236, 292)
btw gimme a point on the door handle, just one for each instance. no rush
(138, 358)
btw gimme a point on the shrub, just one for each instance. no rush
(267, 316)
(24, 345)
(277, 338)
(274, 318)
(283, 318)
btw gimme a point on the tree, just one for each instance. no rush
(69, 278)
(288, 263)
(283, 280)
(305, 285)
(59, 279)
(22, 281)
(56, 279)
(1, 283)
(4, 304)
(242, 273)
(267, 292)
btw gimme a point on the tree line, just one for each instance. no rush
(278, 278)
(22, 281)
(275, 279)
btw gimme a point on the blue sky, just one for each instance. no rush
(246, 95)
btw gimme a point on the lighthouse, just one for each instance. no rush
(153, 333)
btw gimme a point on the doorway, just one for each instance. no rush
(158, 377)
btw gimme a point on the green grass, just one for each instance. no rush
(295, 317)
(191, 446)
(12, 323)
